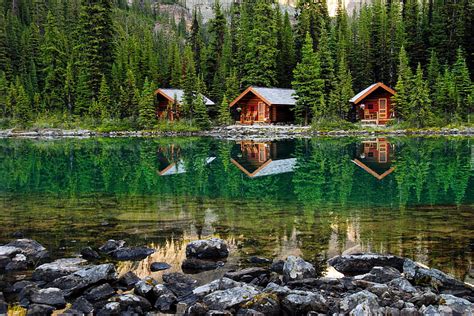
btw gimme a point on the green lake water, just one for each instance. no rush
(311, 197)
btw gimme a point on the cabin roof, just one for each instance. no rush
(179, 93)
(269, 167)
(364, 93)
(178, 167)
(271, 96)
(377, 175)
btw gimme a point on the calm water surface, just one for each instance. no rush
(315, 198)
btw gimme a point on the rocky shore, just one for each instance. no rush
(237, 132)
(370, 284)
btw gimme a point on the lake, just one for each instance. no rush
(310, 197)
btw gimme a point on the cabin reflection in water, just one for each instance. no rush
(376, 157)
(170, 160)
(258, 159)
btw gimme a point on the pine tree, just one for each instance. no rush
(232, 85)
(445, 96)
(189, 81)
(420, 114)
(326, 60)
(286, 52)
(308, 84)
(201, 116)
(403, 86)
(217, 31)
(147, 115)
(342, 92)
(104, 100)
(463, 85)
(224, 117)
(3, 94)
(19, 103)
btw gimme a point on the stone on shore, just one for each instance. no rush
(224, 299)
(295, 268)
(213, 248)
(51, 271)
(39, 310)
(302, 302)
(350, 302)
(89, 254)
(194, 264)
(362, 263)
(111, 245)
(131, 254)
(50, 296)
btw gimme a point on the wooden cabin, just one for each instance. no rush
(258, 159)
(375, 157)
(264, 105)
(170, 161)
(373, 105)
(169, 101)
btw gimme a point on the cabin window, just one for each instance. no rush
(382, 108)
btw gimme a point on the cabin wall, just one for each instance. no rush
(161, 109)
(371, 108)
(273, 113)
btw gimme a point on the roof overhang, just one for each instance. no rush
(369, 91)
(243, 94)
(371, 171)
(162, 93)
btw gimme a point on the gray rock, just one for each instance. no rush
(213, 248)
(89, 254)
(128, 280)
(426, 299)
(4, 261)
(99, 293)
(131, 254)
(3, 304)
(249, 312)
(402, 284)
(264, 304)
(111, 245)
(350, 302)
(165, 302)
(277, 289)
(161, 289)
(112, 308)
(380, 275)
(362, 263)
(363, 309)
(277, 266)
(301, 302)
(258, 260)
(252, 272)
(429, 311)
(9, 251)
(378, 289)
(200, 264)
(83, 305)
(145, 287)
(51, 271)
(409, 311)
(224, 299)
(295, 268)
(134, 303)
(18, 263)
(180, 284)
(84, 278)
(33, 250)
(219, 284)
(50, 296)
(39, 310)
(458, 305)
(159, 266)
(218, 313)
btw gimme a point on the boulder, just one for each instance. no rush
(145, 287)
(134, 303)
(362, 263)
(89, 254)
(247, 274)
(33, 250)
(165, 302)
(83, 305)
(302, 302)
(277, 266)
(159, 266)
(194, 264)
(459, 306)
(363, 309)
(39, 310)
(258, 260)
(128, 280)
(4, 261)
(213, 248)
(277, 289)
(50, 296)
(219, 284)
(99, 293)
(131, 254)
(180, 284)
(51, 271)
(380, 275)
(79, 280)
(402, 284)
(18, 263)
(224, 299)
(9, 251)
(350, 302)
(295, 268)
(111, 245)
(161, 289)
(264, 304)
(3, 305)
(112, 308)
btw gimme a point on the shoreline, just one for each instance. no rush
(364, 284)
(237, 132)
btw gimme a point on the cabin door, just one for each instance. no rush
(261, 111)
(382, 108)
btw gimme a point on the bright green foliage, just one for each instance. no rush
(308, 85)
(224, 117)
(260, 59)
(403, 86)
(104, 100)
(433, 70)
(18, 103)
(232, 85)
(201, 117)
(463, 85)
(147, 115)
(339, 98)
(420, 114)
(326, 59)
(189, 81)
(445, 95)
(129, 97)
(217, 30)
(3, 93)
(286, 49)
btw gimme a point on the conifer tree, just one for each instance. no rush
(342, 92)
(445, 96)
(463, 85)
(403, 86)
(308, 84)
(224, 117)
(217, 31)
(420, 113)
(326, 59)
(147, 115)
(232, 85)
(286, 52)
(104, 100)
(201, 116)
(3, 94)
(19, 103)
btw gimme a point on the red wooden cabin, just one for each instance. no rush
(169, 101)
(373, 105)
(265, 105)
(375, 157)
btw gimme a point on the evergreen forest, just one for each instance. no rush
(83, 63)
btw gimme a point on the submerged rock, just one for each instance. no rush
(58, 268)
(213, 248)
(248, 274)
(159, 266)
(362, 263)
(89, 254)
(111, 245)
(295, 268)
(132, 254)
